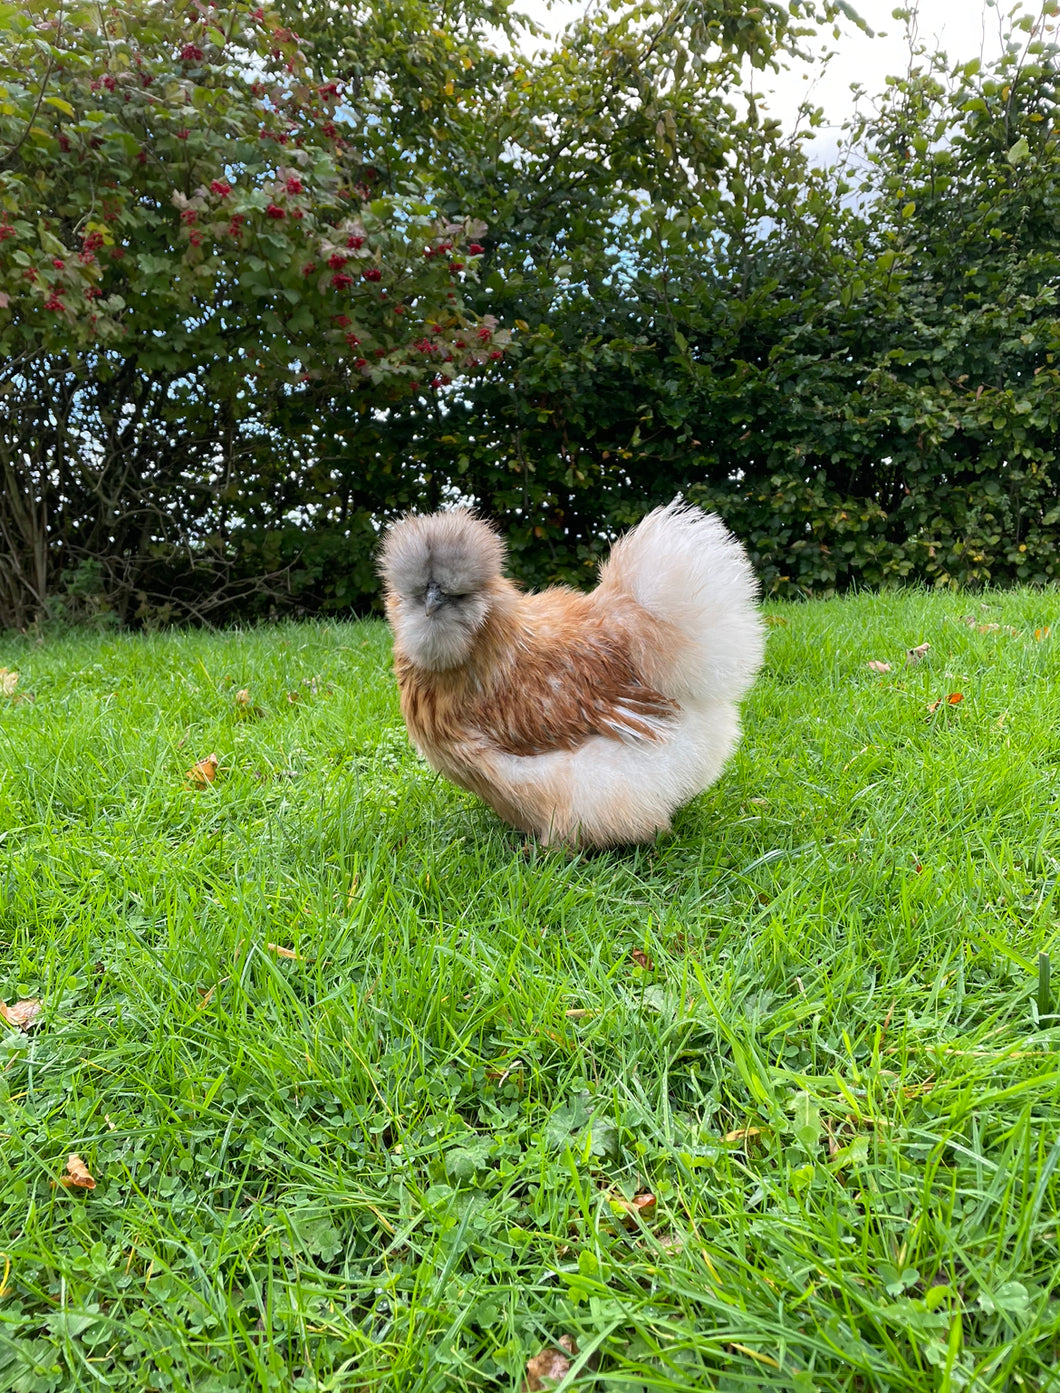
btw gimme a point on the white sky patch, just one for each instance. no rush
(963, 29)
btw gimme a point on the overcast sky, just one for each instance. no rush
(962, 28)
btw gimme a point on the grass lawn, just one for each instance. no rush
(375, 1096)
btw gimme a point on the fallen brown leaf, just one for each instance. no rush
(877, 666)
(8, 682)
(501, 1076)
(642, 960)
(954, 699)
(207, 993)
(22, 1014)
(244, 704)
(77, 1174)
(742, 1134)
(204, 772)
(914, 655)
(549, 1367)
(639, 1207)
(284, 952)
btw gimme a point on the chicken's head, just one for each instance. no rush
(439, 574)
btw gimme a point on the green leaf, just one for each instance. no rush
(1018, 152)
(1010, 1296)
(807, 1124)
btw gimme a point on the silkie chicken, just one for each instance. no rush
(585, 719)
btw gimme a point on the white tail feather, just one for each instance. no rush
(685, 567)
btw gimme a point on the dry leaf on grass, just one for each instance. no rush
(244, 705)
(639, 1207)
(642, 960)
(8, 682)
(501, 1076)
(22, 1014)
(914, 655)
(550, 1367)
(877, 666)
(954, 699)
(77, 1175)
(204, 772)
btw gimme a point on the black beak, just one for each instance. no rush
(434, 598)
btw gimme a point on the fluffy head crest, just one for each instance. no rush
(441, 575)
(457, 550)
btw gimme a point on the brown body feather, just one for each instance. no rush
(545, 672)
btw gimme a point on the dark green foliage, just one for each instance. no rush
(857, 367)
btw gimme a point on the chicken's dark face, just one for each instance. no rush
(438, 572)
